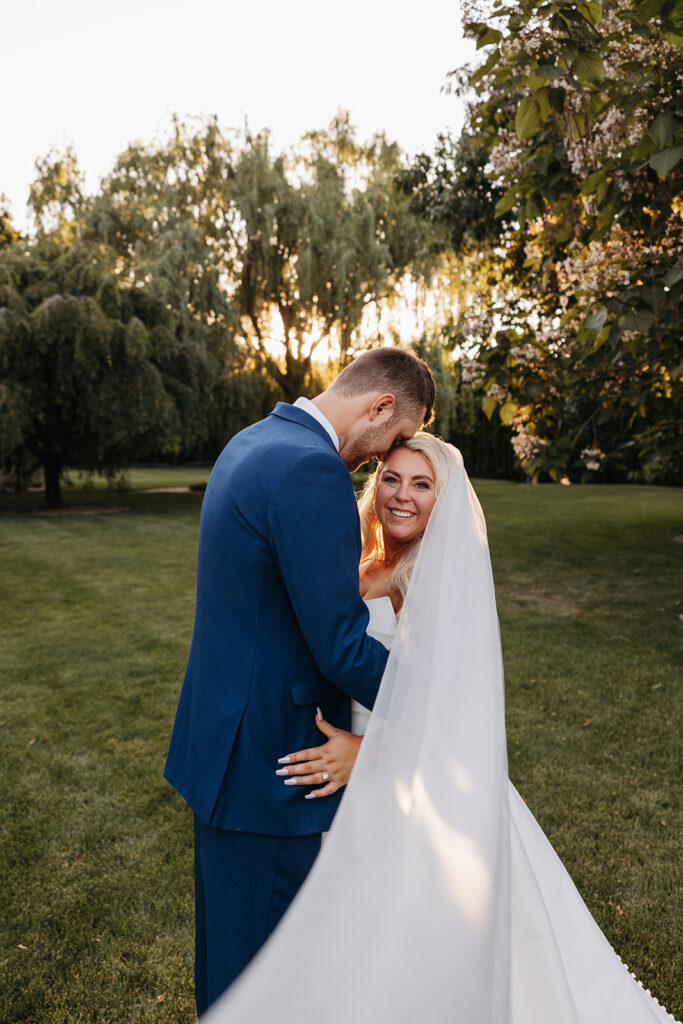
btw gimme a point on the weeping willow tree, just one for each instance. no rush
(281, 255)
(321, 239)
(8, 232)
(81, 373)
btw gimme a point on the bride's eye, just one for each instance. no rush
(424, 485)
(389, 478)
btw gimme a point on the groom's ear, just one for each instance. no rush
(383, 407)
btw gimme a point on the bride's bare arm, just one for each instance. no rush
(335, 759)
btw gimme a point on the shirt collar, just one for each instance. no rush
(308, 406)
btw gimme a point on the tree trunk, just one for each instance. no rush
(53, 487)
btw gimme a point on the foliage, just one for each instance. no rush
(56, 196)
(335, 247)
(227, 269)
(8, 233)
(451, 187)
(580, 108)
(89, 372)
(276, 255)
(484, 442)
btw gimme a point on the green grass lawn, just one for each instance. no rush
(96, 617)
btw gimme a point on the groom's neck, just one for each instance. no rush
(342, 413)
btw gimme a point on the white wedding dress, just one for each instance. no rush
(436, 895)
(382, 626)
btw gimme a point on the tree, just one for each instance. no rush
(341, 238)
(8, 232)
(579, 105)
(459, 418)
(56, 196)
(452, 189)
(81, 359)
(276, 256)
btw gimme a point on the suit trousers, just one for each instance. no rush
(244, 882)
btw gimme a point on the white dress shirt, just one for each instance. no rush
(308, 406)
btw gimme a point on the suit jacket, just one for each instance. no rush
(279, 627)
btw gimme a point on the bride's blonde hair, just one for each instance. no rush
(440, 459)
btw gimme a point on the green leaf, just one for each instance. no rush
(549, 71)
(596, 320)
(488, 404)
(652, 294)
(640, 321)
(643, 150)
(534, 82)
(487, 66)
(662, 129)
(557, 98)
(506, 202)
(647, 10)
(490, 35)
(588, 67)
(543, 102)
(673, 276)
(591, 11)
(507, 412)
(579, 126)
(665, 161)
(590, 184)
(528, 118)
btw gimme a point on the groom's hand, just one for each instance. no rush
(328, 767)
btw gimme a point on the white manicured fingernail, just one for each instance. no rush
(284, 760)
(282, 771)
(310, 796)
(320, 714)
(290, 782)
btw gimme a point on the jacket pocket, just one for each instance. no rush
(313, 692)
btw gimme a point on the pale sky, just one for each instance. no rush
(100, 75)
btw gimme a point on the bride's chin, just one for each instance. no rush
(401, 533)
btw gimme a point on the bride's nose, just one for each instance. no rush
(403, 493)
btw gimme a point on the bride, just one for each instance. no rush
(436, 894)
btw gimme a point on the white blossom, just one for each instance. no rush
(526, 446)
(498, 392)
(471, 371)
(592, 457)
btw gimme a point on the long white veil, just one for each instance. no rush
(436, 895)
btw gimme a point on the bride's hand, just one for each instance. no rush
(335, 758)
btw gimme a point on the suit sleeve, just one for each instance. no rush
(315, 533)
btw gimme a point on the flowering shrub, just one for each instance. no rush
(581, 108)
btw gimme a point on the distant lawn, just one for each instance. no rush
(96, 895)
(78, 488)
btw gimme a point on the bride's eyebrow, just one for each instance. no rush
(420, 476)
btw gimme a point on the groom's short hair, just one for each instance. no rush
(395, 370)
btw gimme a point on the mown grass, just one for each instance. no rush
(96, 612)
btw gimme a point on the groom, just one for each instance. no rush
(279, 629)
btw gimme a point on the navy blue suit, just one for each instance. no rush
(279, 628)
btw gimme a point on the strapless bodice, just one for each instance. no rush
(382, 626)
